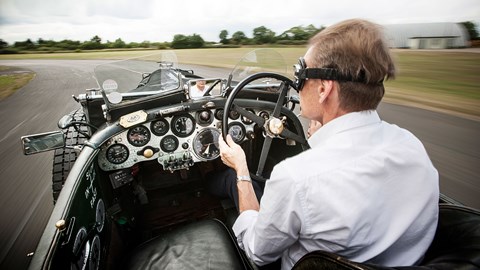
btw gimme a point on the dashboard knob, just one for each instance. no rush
(61, 225)
(148, 153)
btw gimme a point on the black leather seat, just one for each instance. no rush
(456, 246)
(201, 245)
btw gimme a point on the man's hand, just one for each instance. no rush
(232, 155)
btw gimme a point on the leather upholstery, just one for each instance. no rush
(202, 245)
(456, 246)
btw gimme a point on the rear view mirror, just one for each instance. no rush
(42, 142)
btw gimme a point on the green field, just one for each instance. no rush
(442, 80)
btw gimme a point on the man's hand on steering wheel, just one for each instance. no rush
(233, 155)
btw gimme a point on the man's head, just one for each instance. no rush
(356, 58)
(200, 85)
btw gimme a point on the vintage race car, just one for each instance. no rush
(131, 164)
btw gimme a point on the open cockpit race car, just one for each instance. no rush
(131, 167)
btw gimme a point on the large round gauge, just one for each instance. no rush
(169, 143)
(183, 125)
(205, 144)
(138, 136)
(81, 252)
(100, 215)
(117, 153)
(237, 131)
(95, 251)
(159, 127)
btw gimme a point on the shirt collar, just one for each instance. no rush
(343, 123)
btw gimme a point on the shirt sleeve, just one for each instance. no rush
(266, 234)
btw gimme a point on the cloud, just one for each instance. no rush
(159, 20)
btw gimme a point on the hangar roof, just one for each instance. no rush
(399, 34)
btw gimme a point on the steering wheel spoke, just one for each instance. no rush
(263, 156)
(290, 135)
(260, 121)
(281, 99)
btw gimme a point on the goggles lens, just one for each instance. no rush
(299, 74)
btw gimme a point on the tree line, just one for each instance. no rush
(260, 35)
(297, 35)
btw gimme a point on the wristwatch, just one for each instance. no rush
(244, 178)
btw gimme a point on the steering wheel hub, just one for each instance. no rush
(275, 126)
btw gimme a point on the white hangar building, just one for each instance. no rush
(427, 35)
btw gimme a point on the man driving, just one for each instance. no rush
(366, 189)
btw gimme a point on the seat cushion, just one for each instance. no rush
(201, 245)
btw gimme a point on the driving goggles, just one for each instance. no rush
(302, 73)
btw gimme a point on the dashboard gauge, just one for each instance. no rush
(117, 153)
(81, 253)
(246, 120)
(219, 114)
(169, 143)
(264, 114)
(138, 136)
(205, 144)
(100, 215)
(183, 125)
(233, 115)
(159, 127)
(94, 260)
(237, 131)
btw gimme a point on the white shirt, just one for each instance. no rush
(195, 92)
(366, 190)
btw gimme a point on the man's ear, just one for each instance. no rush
(324, 89)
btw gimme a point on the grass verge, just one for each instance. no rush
(443, 79)
(11, 82)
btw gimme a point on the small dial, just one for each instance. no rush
(246, 120)
(183, 125)
(219, 114)
(237, 131)
(264, 114)
(169, 143)
(117, 153)
(138, 136)
(159, 127)
(205, 144)
(233, 114)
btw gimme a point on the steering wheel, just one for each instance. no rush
(273, 126)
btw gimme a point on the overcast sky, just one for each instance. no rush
(140, 20)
